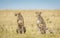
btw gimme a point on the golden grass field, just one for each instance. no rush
(8, 22)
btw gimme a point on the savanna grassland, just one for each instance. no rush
(8, 23)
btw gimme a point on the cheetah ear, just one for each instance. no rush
(15, 14)
(40, 13)
(36, 12)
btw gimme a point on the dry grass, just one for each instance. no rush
(9, 24)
